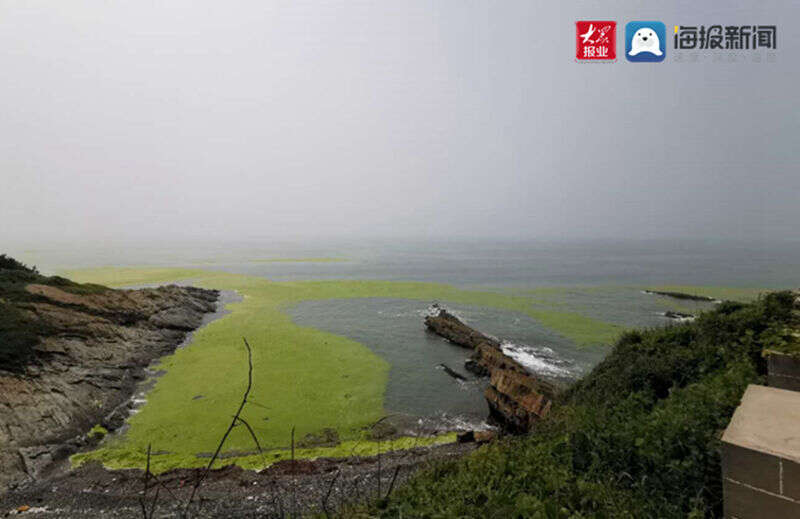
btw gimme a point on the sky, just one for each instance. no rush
(201, 120)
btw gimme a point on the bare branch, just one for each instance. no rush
(146, 476)
(328, 493)
(230, 427)
(253, 435)
(391, 485)
(155, 502)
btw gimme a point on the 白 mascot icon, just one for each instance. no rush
(645, 40)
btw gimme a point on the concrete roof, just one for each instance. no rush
(768, 420)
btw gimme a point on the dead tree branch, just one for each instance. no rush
(328, 493)
(230, 427)
(145, 477)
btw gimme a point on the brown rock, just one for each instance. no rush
(465, 437)
(485, 436)
(517, 401)
(516, 398)
(451, 328)
(93, 349)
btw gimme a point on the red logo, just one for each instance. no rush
(595, 40)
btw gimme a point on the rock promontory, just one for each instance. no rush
(516, 398)
(82, 350)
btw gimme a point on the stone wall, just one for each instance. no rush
(761, 456)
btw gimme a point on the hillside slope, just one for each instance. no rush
(638, 437)
(71, 355)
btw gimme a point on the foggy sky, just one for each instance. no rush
(198, 119)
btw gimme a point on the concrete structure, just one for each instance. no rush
(783, 370)
(761, 456)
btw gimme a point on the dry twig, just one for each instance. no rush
(230, 427)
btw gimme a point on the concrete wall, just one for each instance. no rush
(761, 456)
(759, 485)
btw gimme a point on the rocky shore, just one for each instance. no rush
(91, 349)
(516, 398)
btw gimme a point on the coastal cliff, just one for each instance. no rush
(72, 357)
(515, 397)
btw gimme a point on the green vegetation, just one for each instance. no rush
(638, 437)
(98, 432)
(303, 377)
(131, 276)
(18, 332)
(582, 330)
(299, 260)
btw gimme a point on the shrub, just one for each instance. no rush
(639, 436)
(9, 263)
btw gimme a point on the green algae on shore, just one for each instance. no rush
(303, 378)
(299, 260)
(119, 456)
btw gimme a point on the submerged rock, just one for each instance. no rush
(453, 373)
(476, 436)
(92, 350)
(681, 295)
(678, 316)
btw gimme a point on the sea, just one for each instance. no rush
(600, 279)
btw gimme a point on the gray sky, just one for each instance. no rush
(198, 119)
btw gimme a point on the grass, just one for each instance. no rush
(637, 437)
(303, 377)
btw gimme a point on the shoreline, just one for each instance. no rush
(68, 394)
(301, 487)
(213, 368)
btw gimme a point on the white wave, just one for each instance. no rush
(448, 422)
(537, 362)
(433, 311)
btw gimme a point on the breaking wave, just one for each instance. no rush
(540, 360)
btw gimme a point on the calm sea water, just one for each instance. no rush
(463, 263)
(607, 277)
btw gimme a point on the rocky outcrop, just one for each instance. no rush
(453, 373)
(447, 325)
(678, 316)
(92, 350)
(487, 353)
(516, 398)
(681, 295)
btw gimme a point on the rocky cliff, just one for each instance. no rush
(89, 347)
(516, 398)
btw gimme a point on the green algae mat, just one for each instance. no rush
(304, 378)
